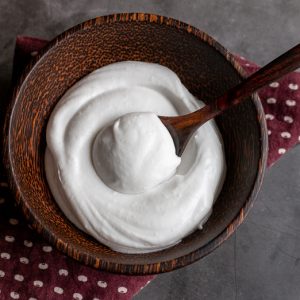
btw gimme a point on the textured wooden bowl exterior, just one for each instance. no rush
(204, 67)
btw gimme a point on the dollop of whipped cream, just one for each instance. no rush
(132, 199)
(135, 153)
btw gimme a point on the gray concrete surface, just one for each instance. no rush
(262, 260)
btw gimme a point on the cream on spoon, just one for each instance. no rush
(135, 153)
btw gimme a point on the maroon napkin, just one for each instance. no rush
(281, 103)
(32, 269)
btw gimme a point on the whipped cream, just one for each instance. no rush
(135, 153)
(111, 164)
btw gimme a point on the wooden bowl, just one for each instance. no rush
(205, 68)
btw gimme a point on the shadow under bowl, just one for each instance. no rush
(205, 68)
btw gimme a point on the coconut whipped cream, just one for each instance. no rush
(135, 154)
(111, 164)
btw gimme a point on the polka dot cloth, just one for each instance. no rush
(29, 267)
(32, 269)
(281, 103)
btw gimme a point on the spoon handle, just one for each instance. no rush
(280, 66)
(182, 127)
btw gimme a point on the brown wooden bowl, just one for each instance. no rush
(205, 68)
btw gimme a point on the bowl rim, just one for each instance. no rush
(127, 268)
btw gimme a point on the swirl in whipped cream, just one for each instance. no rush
(139, 201)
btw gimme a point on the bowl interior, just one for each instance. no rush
(203, 69)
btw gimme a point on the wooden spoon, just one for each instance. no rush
(181, 128)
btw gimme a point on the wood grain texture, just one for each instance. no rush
(204, 67)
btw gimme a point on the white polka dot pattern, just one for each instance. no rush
(290, 102)
(24, 260)
(47, 248)
(9, 238)
(58, 290)
(63, 272)
(122, 290)
(14, 295)
(280, 102)
(77, 296)
(269, 117)
(5, 255)
(288, 119)
(19, 277)
(271, 100)
(43, 266)
(281, 150)
(293, 86)
(285, 135)
(274, 84)
(38, 283)
(102, 284)
(28, 244)
(82, 278)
